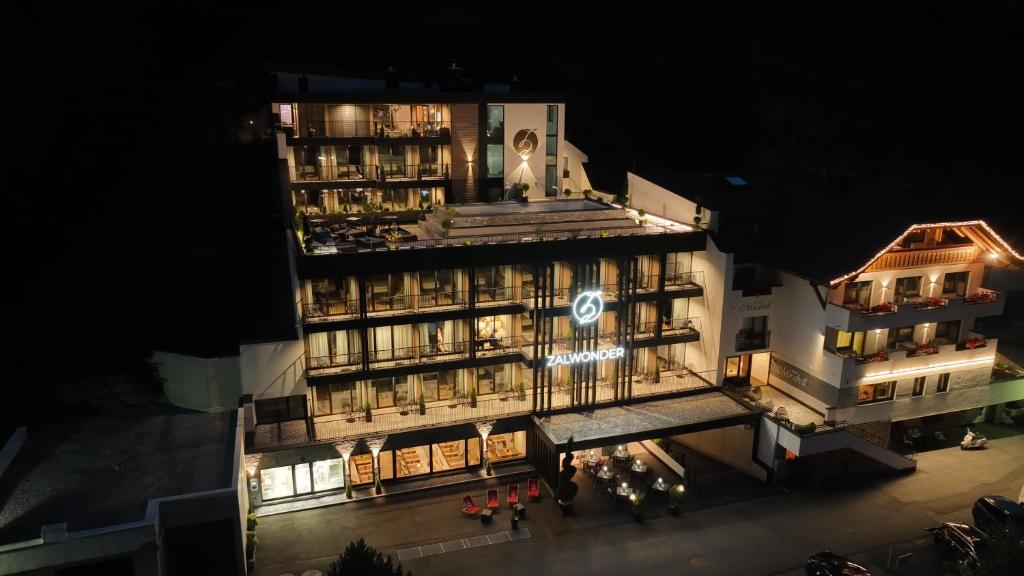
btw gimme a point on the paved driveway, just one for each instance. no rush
(766, 535)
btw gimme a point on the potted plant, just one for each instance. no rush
(515, 520)
(522, 391)
(488, 469)
(636, 500)
(643, 215)
(567, 489)
(657, 373)
(393, 238)
(587, 193)
(675, 498)
(472, 398)
(368, 412)
(567, 192)
(525, 197)
(377, 488)
(348, 490)
(423, 405)
(696, 220)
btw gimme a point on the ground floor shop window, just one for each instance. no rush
(328, 474)
(449, 455)
(277, 482)
(880, 392)
(412, 461)
(303, 482)
(506, 446)
(473, 448)
(738, 367)
(360, 469)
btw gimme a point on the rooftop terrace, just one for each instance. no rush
(483, 223)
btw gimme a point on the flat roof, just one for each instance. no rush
(102, 471)
(501, 208)
(616, 424)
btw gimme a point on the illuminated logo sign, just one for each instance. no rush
(587, 307)
(525, 143)
(587, 356)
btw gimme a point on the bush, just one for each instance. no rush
(359, 559)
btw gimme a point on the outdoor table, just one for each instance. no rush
(604, 473)
(660, 485)
(623, 491)
(485, 515)
(591, 458)
(639, 466)
(620, 452)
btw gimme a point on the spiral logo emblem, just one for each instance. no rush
(587, 307)
(525, 143)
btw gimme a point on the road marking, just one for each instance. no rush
(462, 544)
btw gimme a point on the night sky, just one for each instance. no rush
(144, 215)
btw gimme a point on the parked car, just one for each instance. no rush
(960, 542)
(829, 564)
(997, 513)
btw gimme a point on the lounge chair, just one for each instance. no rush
(492, 499)
(513, 495)
(469, 508)
(533, 489)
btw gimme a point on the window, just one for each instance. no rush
(277, 482)
(303, 482)
(738, 367)
(903, 335)
(495, 138)
(335, 399)
(753, 333)
(918, 386)
(439, 385)
(491, 379)
(412, 461)
(551, 150)
(449, 455)
(857, 294)
(955, 284)
(943, 385)
(493, 283)
(328, 474)
(491, 332)
(506, 446)
(850, 342)
(869, 393)
(947, 332)
(907, 288)
(392, 391)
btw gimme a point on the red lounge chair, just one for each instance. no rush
(492, 499)
(533, 489)
(469, 508)
(513, 495)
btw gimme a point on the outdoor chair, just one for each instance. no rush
(469, 508)
(513, 495)
(492, 499)
(533, 489)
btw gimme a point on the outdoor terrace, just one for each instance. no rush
(487, 223)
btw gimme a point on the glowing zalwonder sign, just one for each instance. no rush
(587, 356)
(587, 307)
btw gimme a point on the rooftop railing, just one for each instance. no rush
(371, 129)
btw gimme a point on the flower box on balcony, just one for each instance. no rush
(980, 297)
(925, 349)
(973, 343)
(930, 303)
(879, 356)
(883, 308)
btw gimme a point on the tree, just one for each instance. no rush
(360, 559)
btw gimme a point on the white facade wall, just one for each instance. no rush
(273, 369)
(578, 180)
(654, 199)
(884, 281)
(206, 384)
(705, 354)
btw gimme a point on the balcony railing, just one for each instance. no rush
(375, 172)
(441, 299)
(372, 129)
(671, 327)
(425, 352)
(677, 279)
(334, 363)
(330, 309)
(497, 294)
(752, 340)
(499, 346)
(388, 303)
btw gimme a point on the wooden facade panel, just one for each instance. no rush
(923, 258)
(465, 144)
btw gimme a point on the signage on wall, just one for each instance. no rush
(587, 307)
(525, 142)
(587, 356)
(755, 306)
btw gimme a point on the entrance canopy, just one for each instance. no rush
(659, 418)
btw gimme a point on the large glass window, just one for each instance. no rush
(955, 284)
(738, 367)
(880, 392)
(440, 288)
(449, 455)
(551, 151)
(440, 338)
(857, 294)
(439, 385)
(907, 288)
(277, 482)
(493, 332)
(387, 292)
(493, 379)
(388, 343)
(360, 469)
(303, 482)
(334, 348)
(412, 461)
(943, 384)
(495, 138)
(506, 446)
(391, 391)
(328, 474)
(902, 337)
(493, 283)
(947, 332)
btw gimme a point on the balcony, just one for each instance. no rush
(673, 327)
(497, 295)
(911, 359)
(369, 172)
(334, 364)
(746, 341)
(914, 311)
(423, 354)
(372, 129)
(329, 310)
(504, 404)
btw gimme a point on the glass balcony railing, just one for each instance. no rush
(368, 172)
(371, 129)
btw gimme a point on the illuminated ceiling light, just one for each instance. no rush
(906, 371)
(344, 449)
(252, 464)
